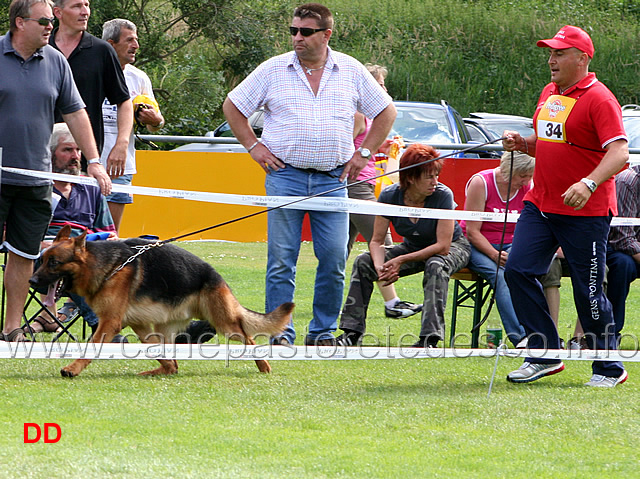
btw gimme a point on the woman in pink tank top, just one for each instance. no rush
(487, 191)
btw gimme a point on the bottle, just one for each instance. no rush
(494, 333)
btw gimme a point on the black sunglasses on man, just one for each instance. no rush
(305, 32)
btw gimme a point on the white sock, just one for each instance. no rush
(392, 302)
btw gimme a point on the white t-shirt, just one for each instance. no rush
(139, 84)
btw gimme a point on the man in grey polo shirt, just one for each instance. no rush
(36, 81)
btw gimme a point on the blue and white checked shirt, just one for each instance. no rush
(306, 130)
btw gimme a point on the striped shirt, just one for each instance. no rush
(306, 130)
(626, 239)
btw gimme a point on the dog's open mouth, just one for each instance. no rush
(54, 292)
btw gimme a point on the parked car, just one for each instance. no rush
(485, 127)
(631, 120)
(416, 122)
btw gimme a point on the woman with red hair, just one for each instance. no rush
(435, 247)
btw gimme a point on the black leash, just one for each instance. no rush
(143, 248)
(465, 150)
(500, 248)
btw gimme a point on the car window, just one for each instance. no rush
(632, 127)
(256, 120)
(423, 125)
(476, 133)
(498, 128)
(463, 133)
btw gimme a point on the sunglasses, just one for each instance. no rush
(305, 32)
(44, 21)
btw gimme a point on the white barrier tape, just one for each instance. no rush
(226, 352)
(346, 205)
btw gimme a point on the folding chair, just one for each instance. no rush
(42, 310)
(465, 295)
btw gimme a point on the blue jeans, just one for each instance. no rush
(329, 230)
(623, 270)
(87, 313)
(584, 244)
(486, 267)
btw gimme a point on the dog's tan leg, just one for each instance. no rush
(107, 329)
(263, 364)
(167, 366)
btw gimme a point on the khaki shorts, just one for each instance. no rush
(553, 278)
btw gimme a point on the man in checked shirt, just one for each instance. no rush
(310, 96)
(623, 251)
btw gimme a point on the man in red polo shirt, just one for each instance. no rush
(579, 145)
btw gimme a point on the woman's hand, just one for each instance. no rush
(389, 272)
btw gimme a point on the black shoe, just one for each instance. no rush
(424, 342)
(402, 309)
(349, 338)
(118, 338)
(197, 332)
(326, 341)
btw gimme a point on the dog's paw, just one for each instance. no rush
(67, 374)
(263, 366)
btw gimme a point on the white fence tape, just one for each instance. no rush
(317, 204)
(228, 352)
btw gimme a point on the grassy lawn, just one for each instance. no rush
(369, 419)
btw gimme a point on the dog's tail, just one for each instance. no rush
(272, 323)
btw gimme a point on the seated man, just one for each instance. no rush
(435, 247)
(623, 251)
(81, 206)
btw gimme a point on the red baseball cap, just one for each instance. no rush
(570, 36)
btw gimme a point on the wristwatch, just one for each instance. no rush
(364, 153)
(592, 185)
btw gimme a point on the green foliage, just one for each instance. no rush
(479, 55)
(190, 91)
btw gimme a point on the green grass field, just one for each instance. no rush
(319, 419)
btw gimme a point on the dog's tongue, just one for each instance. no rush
(50, 299)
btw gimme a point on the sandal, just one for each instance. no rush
(41, 324)
(68, 311)
(15, 336)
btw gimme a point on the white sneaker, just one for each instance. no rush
(523, 343)
(402, 309)
(531, 371)
(599, 381)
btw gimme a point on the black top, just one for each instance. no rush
(421, 234)
(98, 75)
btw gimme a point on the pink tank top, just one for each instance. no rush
(492, 230)
(368, 171)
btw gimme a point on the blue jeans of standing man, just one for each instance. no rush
(329, 231)
(486, 267)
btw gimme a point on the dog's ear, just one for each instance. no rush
(63, 234)
(80, 241)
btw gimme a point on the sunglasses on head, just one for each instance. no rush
(305, 32)
(44, 21)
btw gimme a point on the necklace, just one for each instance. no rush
(309, 70)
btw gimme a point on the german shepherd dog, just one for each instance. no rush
(157, 293)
